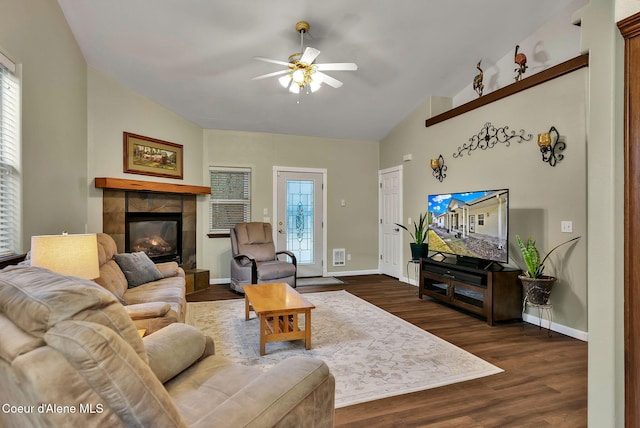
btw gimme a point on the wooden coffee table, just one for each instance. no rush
(277, 306)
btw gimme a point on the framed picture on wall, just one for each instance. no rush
(149, 156)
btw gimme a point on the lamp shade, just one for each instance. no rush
(75, 255)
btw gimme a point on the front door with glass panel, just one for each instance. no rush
(299, 219)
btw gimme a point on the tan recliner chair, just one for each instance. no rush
(254, 257)
(70, 356)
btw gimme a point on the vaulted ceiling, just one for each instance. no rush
(196, 57)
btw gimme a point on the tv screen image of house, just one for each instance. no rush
(470, 224)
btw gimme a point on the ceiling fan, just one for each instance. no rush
(301, 72)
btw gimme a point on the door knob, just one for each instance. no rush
(279, 230)
(396, 230)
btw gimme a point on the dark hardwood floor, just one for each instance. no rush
(544, 383)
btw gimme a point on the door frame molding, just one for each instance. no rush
(630, 30)
(398, 169)
(323, 171)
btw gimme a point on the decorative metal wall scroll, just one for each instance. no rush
(439, 168)
(551, 146)
(489, 136)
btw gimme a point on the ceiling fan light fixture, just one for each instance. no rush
(285, 81)
(314, 85)
(299, 76)
(302, 73)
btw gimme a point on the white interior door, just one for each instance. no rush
(390, 200)
(299, 219)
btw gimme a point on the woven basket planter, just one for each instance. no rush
(537, 290)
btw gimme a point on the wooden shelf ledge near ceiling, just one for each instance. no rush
(526, 83)
(149, 186)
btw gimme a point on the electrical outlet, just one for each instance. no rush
(566, 226)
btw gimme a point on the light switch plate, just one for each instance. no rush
(566, 226)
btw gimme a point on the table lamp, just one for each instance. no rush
(74, 255)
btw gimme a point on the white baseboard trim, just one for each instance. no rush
(410, 281)
(559, 328)
(341, 273)
(354, 273)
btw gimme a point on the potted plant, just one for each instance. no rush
(418, 247)
(537, 286)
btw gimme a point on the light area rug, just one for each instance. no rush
(372, 354)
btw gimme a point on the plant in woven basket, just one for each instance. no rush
(531, 256)
(537, 286)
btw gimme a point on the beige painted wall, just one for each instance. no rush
(34, 34)
(113, 108)
(540, 195)
(595, 274)
(626, 8)
(351, 166)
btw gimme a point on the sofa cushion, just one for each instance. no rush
(108, 364)
(138, 268)
(214, 379)
(167, 290)
(15, 341)
(35, 299)
(112, 278)
(173, 349)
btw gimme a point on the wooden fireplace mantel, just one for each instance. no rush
(149, 186)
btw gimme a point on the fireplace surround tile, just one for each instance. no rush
(117, 202)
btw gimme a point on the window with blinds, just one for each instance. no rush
(230, 198)
(9, 158)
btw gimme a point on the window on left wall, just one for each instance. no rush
(9, 158)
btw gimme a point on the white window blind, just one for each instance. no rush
(230, 198)
(9, 158)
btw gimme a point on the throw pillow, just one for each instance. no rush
(137, 268)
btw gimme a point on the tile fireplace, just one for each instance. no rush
(161, 224)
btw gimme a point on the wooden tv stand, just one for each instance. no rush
(493, 294)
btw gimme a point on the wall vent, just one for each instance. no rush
(339, 256)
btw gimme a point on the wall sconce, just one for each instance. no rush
(550, 146)
(439, 168)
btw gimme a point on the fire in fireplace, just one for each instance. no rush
(159, 235)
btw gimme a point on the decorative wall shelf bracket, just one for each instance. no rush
(489, 136)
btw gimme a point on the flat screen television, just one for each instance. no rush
(470, 224)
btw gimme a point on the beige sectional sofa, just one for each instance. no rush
(71, 356)
(151, 306)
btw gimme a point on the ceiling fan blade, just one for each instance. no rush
(273, 61)
(309, 55)
(334, 83)
(275, 73)
(337, 66)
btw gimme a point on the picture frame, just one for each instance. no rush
(150, 156)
